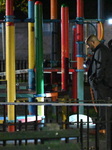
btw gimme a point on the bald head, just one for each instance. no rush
(92, 38)
(92, 41)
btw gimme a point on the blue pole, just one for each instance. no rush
(31, 54)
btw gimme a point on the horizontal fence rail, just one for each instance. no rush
(56, 104)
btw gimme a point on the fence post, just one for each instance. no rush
(108, 128)
(81, 133)
(97, 134)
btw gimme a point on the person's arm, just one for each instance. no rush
(100, 65)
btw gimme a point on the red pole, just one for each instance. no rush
(64, 47)
(80, 14)
(79, 32)
(80, 8)
(74, 75)
(9, 8)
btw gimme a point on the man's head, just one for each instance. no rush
(92, 41)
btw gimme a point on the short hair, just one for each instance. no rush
(110, 44)
(92, 38)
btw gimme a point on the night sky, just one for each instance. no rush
(90, 8)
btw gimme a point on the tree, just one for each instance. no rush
(21, 5)
(2, 6)
(20, 8)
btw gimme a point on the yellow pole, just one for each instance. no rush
(40, 109)
(64, 116)
(31, 52)
(10, 70)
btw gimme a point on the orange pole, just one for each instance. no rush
(53, 15)
(80, 61)
(100, 25)
(53, 8)
(100, 29)
(64, 47)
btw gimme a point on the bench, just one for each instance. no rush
(46, 140)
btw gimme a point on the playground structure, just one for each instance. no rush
(35, 48)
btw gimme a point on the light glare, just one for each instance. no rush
(109, 21)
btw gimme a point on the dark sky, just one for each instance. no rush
(90, 8)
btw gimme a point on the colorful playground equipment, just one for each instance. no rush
(10, 60)
(36, 70)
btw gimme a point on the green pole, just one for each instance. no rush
(39, 55)
(39, 48)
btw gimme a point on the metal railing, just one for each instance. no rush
(93, 136)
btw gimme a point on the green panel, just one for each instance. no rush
(49, 146)
(18, 95)
(3, 86)
(3, 95)
(39, 134)
(24, 95)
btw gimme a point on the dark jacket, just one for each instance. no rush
(100, 70)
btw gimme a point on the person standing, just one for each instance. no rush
(100, 72)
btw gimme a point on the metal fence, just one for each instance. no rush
(92, 136)
(60, 113)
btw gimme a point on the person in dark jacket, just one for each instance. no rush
(100, 71)
(110, 44)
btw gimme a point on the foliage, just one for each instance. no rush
(2, 5)
(20, 5)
